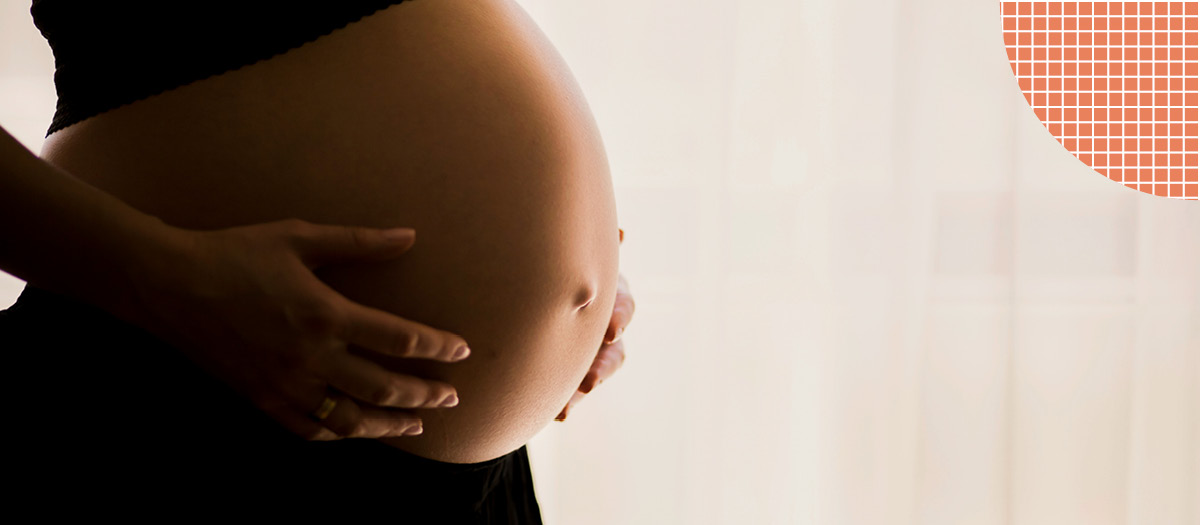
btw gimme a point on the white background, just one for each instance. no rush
(871, 288)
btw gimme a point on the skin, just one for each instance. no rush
(492, 157)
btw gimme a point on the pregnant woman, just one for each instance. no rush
(456, 118)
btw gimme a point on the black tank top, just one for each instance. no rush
(108, 54)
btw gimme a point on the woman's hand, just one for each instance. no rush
(244, 303)
(612, 350)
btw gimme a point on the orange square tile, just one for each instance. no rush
(1189, 8)
(1160, 159)
(1176, 8)
(1070, 9)
(1145, 144)
(1024, 39)
(1168, 145)
(1070, 144)
(1192, 145)
(1056, 84)
(1056, 8)
(1070, 115)
(1189, 191)
(1085, 144)
(1160, 189)
(1176, 175)
(1190, 175)
(1039, 84)
(1176, 190)
(1160, 144)
(1085, 8)
(1055, 129)
(1189, 160)
(1086, 158)
(1024, 8)
(1039, 24)
(1040, 112)
(1039, 8)
(1026, 85)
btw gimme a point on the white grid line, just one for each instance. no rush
(1120, 49)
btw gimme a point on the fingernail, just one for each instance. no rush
(561, 417)
(399, 234)
(450, 401)
(414, 430)
(461, 353)
(617, 335)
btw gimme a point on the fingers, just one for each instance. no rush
(319, 245)
(389, 334)
(576, 398)
(351, 420)
(282, 412)
(607, 362)
(368, 382)
(622, 312)
(301, 401)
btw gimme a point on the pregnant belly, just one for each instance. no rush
(454, 117)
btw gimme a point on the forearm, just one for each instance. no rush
(60, 233)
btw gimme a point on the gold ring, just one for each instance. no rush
(327, 407)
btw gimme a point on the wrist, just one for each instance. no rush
(146, 255)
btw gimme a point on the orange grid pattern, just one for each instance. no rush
(1116, 84)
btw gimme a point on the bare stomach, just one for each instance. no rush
(454, 117)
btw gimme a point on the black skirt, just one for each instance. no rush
(98, 408)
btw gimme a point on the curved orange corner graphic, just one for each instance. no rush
(1116, 84)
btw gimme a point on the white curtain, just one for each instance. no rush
(871, 287)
